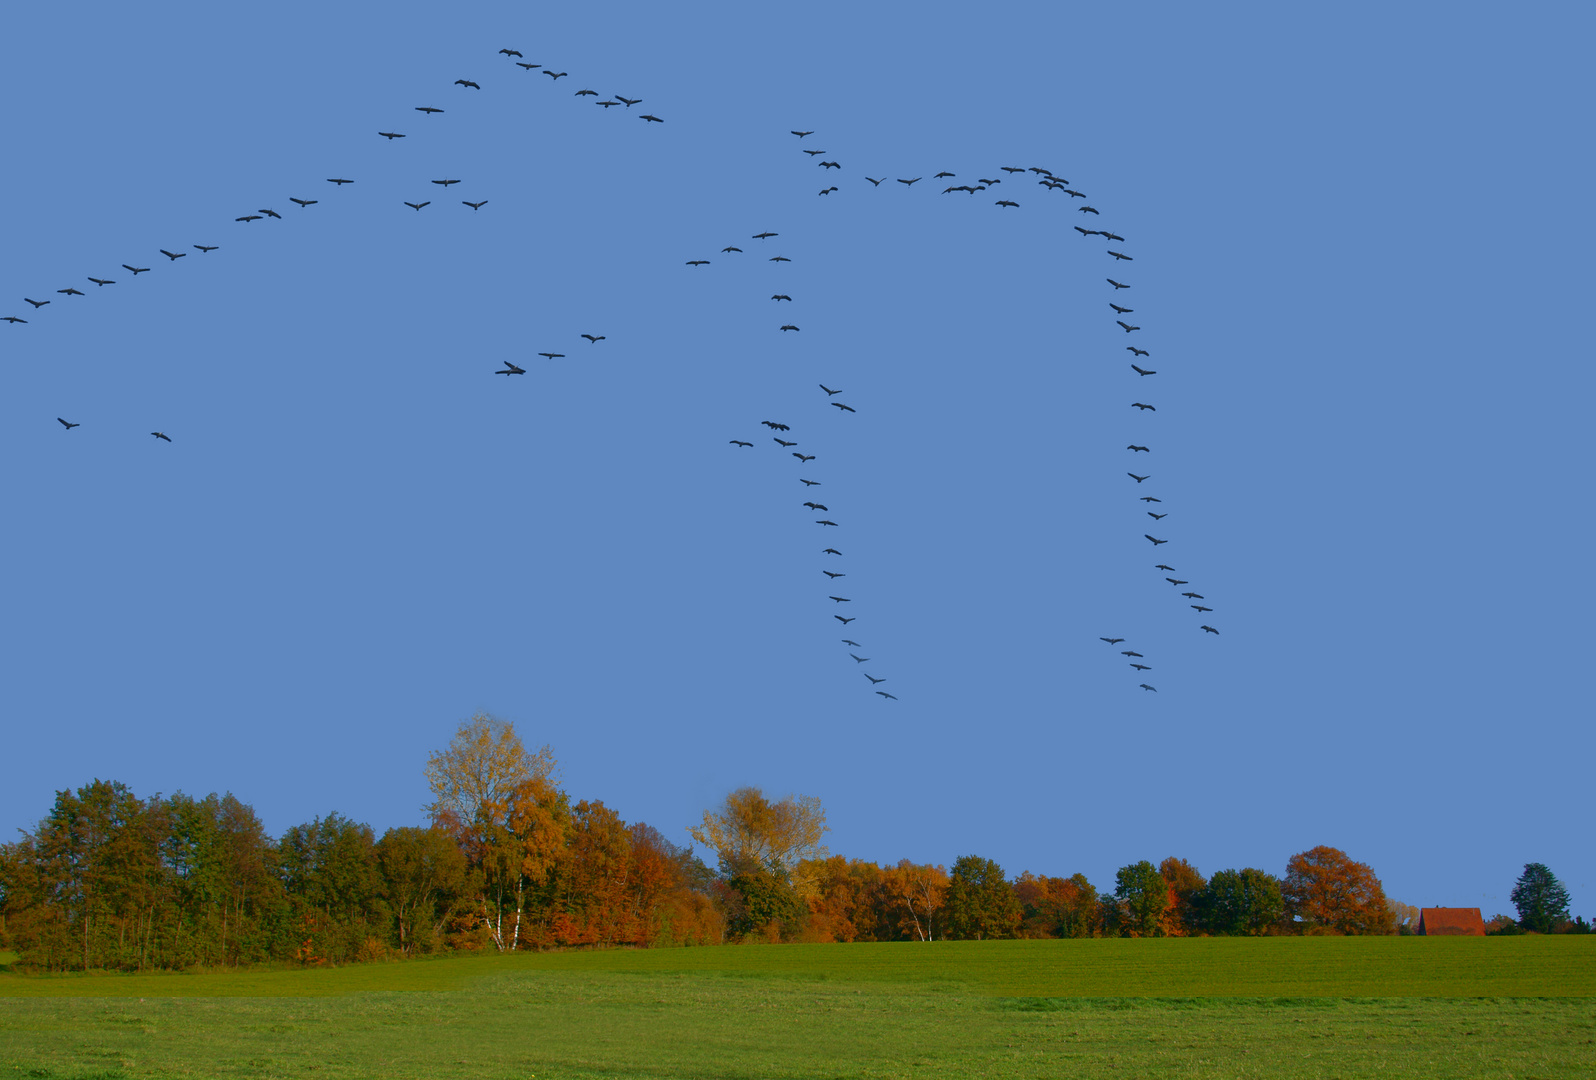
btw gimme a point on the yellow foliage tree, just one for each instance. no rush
(748, 832)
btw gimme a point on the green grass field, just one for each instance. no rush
(1275, 1007)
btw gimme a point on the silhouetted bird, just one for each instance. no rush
(910, 183)
(844, 408)
(801, 134)
(248, 217)
(1112, 640)
(1006, 202)
(844, 621)
(736, 249)
(1127, 326)
(1161, 566)
(765, 235)
(1121, 310)
(1086, 232)
(773, 426)
(467, 82)
(697, 262)
(417, 206)
(1154, 689)
(779, 258)
(803, 457)
(445, 183)
(809, 483)
(1138, 352)
(427, 109)
(303, 202)
(1149, 498)
(1121, 256)
(556, 75)
(1144, 408)
(651, 118)
(789, 326)
(1131, 652)
(102, 281)
(68, 424)
(1136, 478)
(69, 292)
(586, 93)
(1086, 209)
(174, 256)
(1116, 284)
(874, 181)
(509, 52)
(1210, 630)
(1112, 236)
(271, 214)
(1141, 667)
(1199, 607)
(511, 369)
(1193, 596)
(37, 304)
(594, 340)
(553, 355)
(14, 319)
(829, 392)
(822, 521)
(840, 599)
(1143, 449)
(390, 135)
(834, 551)
(785, 443)
(340, 183)
(206, 250)
(739, 442)
(817, 506)
(1156, 517)
(1176, 583)
(161, 435)
(860, 659)
(137, 270)
(529, 67)
(1155, 540)
(628, 102)
(873, 680)
(884, 694)
(475, 206)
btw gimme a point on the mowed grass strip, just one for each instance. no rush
(1561, 966)
(545, 1024)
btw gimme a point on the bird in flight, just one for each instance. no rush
(910, 183)
(830, 165)
(779, 258)
(844, 621)
(556, 75)
(827, 191)
(1155, 540)
(789, 326)
(1138, 352)
(593, 339)
(1193, 596)
(417, 206)
(781, 296)
(509, 52)
(1161, 566)
(944, 175)
(69, 425)
(1131, 652)
(206, 250)
(511, 369)
(1199, 607)
(1010, 169)
(553, 355)
(815, 505)
(445, 183)
(1141, 667)
(840, 599)
(467, 82)
(339, 182)
(803, 457)
(801, 134)
(390, 135)
(783, 442)
(69, 292)
(1138, 479)
(739, 442)
(823, 521)
(137, 270)
(586, 93)
(427, 109)
(161, 435)
(1086, 209)
(809, 483)
(738, 250)
(1111, 236)
(628, 102)
(248, 217)
(829, 392)
(855, 644)
(1210, 630)
(697, 262)
(1112, 640)
(1176, 583)
(834, 551)
(773, 426)
(1156, 517)
(1144, 408)
(1143, 449)
(1087, 232)
(1116, 284)
(303, 202)
(651, 118)
(1121, 256)
(884, 694)
(860, 659)
(102, 281)
(475, 206)
(14, 319)
(1006, 202)
(844, 408)
(174, 256)
(271, 214)
(1149, 498)
(1121, 310)
(529, 67)
(765, 235)
(1142, 371)
(874, 181)
(1127, 326)
(872, 678)
(833, 574)
(37, 304)
(1154, 689)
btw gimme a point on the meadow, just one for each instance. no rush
(1273, 1007)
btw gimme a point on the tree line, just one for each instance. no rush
(108, 880)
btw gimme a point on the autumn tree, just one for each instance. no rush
(1328, 892)
(1144, 894)
(1240, 903)
(1541, 899)
(1057, 907)
(763, 849)
(979, 901)
(1185, 884)
(502, 804)
(914, 896)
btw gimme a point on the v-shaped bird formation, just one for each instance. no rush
(799, 449)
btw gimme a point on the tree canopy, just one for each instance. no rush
(1331, 893)
(1541, 899)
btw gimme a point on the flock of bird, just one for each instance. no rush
(1044, 178)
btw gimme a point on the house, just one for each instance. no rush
(1453, 921)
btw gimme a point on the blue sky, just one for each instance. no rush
(1358, 236)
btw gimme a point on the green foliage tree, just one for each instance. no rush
(1541, 899)
(425, 880)
(1240, 902)
(979, 902)
(1144, 893)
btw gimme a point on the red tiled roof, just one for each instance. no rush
(1463, 921)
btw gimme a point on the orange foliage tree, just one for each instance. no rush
(1328, 892)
